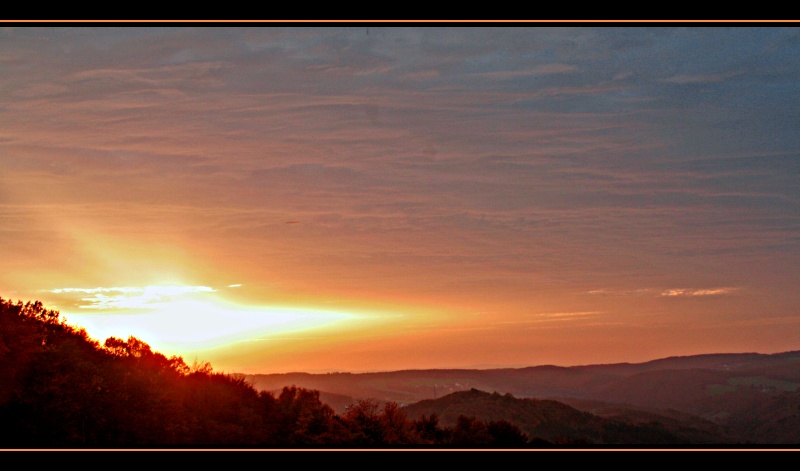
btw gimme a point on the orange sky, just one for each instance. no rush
(323, 199)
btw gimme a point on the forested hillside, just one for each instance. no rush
(61, 388)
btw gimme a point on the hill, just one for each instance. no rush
(554, 421)
(61, 388)
(623, 382)
(724, 395)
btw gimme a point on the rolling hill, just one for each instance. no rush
(554, 421)
(745, 397)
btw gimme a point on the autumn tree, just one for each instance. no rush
(304, 419)
(427, 429)
(470, 431)
(505, 434)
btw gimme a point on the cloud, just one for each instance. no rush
(131, 297)
(702, 78)
(40, 90)
(620, 292)
(671, 292)
(698, 292)
(98, 290)
(570, 314)
(545, 69)
(557, 317)
(419, 160)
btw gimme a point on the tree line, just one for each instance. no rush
(60, 388)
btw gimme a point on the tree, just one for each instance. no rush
(505, 434)
(364, 422)
(428, 430)
(304, 419)
(470, 431)
(397, 428)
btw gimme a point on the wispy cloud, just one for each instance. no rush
(669, 292)
(557, 317)
(570, 314)
(620, 292)
(131, 297)
(545, 69)
(500, 168)
(698, 292)
(702, 78)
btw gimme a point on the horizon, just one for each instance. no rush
(276, 199)
(327, 371)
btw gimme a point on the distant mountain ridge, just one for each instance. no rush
(60, 388)
(555, 421)
(535, 381)
(740, 393)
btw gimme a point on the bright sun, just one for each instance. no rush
(177, 317)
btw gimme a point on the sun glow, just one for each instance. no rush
(183, 318)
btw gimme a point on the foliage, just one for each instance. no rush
(60, 388)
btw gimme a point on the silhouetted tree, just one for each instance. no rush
(428, 430)
(364, 422)
(61, 388)
(470, 431)
(304, 419)
(506, 435)
(397, 429)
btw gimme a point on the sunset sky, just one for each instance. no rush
(274, 199)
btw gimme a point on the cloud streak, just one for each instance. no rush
(692, 79)
(148, 297)
(675, 292)
(669, 292)
(514, 170)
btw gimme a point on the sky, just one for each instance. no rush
(350, 198)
